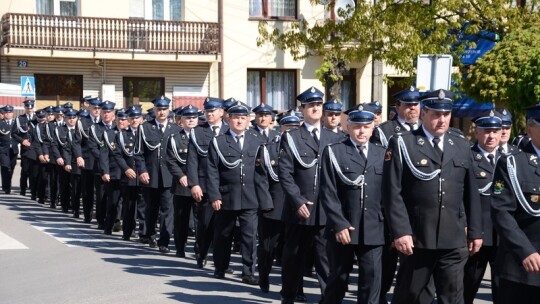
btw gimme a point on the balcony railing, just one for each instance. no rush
(109, 35)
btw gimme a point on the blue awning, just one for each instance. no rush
(468, 107)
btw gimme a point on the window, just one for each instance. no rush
(272, 9)
(58, 7)
(176, 10)
(44, 7)
(276, 88)
(141, 89)
(157, 10)
(348, 89)
(59, 88)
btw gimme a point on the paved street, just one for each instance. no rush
(47, 256)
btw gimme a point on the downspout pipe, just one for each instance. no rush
(221, 72)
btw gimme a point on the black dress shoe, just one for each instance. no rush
(53, 206)
(87, 220)
(8, 191)
(250, 280)
(76, 215)
(144, 239)
(264, 285)
(219, 275)
(117, 226)
(164, 249)
(126, 238)
(181, 254)
(201, 263)
(107, 232)
(229, 271)
(100, 226)
(152, 242)
(300, 298)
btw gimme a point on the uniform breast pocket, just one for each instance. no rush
(532, 193)
(460, 164)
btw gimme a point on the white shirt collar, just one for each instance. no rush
(486, 153)
(430, 138)
(311, 127)
(536, 150)
(404, 123)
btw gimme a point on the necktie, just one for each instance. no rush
(438, 150)
(162, 128)
(501, 150)
(238, 140)
(95, 120)
(411, 126)
(264, 134)
(314, 134)
(491, 158)
(215, 130)
(362, 152)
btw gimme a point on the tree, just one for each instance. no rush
(396, 31)
(509, 74)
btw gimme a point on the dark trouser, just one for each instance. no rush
(205, 227)
(415, 271)
(101, 199)
(369, 272)
(112, 188)
(75, 195)
(158, 200)
(7, 170)
(474, 272)
(223, 233)
(512, 293)
(182, 211)
(389, 265)
(42, 180)
(53, 183)
(299, 239)
(269, 233)
(64, 187)
(87, 192)
(131, 199)
(26, 170)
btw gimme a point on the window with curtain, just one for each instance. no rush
(276, 88)
(272, 8)
(69, 8)
(176, 10)
(44, 7)
(157, 10)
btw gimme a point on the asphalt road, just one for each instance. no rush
(47, 256)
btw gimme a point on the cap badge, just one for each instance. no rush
(411, 89)
(491, 114)
(441, 94)
(504, 112)
(312, 90)
(360, 108)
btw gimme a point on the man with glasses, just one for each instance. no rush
(331, 119)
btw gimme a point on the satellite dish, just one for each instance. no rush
(345, 7)
(324, 2)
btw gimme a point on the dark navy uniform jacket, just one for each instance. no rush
(154, 161)
(7, 143)
(235, 187)
(107, 159)
(197, 158)
(177, 162)
(388, 129)
(299, 183)
(87, 144)
(22, 129)
(518, 230)
(351, 205)
(69, 147)
(269, 191)
(435, 212)
(271, 133)
(41, 143)
(124, 156)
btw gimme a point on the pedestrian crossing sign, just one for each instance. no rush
(28, 86)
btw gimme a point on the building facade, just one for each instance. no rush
(129, 51)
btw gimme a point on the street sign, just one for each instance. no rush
(28, 86)
(433, 72)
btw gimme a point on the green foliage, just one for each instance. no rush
(397, 31)
(509, 74)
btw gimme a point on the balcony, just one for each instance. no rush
(108, 35)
